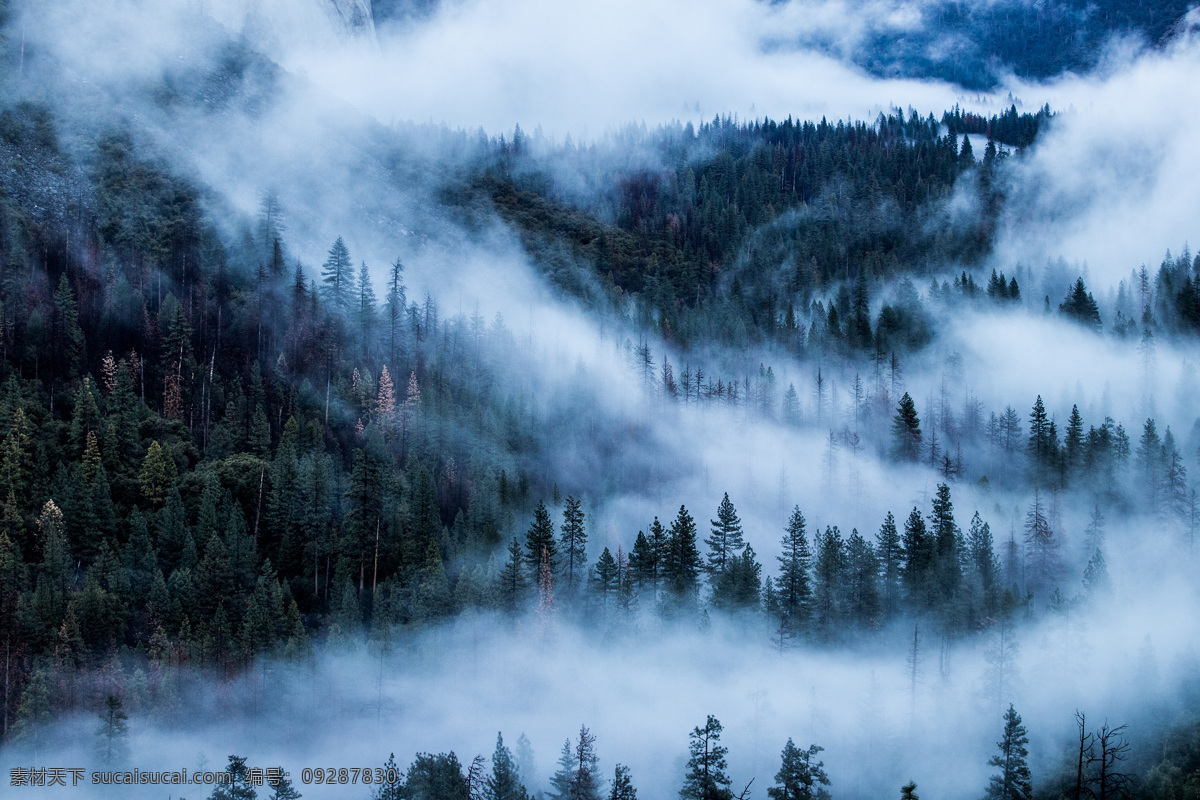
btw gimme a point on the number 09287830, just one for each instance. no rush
(338, 775)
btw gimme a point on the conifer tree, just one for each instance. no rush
(505, 782)
(946, 537)
(392, 786)
(1041, 545)
(385, 401)
(513, 584)
(113, 730)
(983, 566)
(798, 777)
(239, 786)
(157, 475)
(622, 785)
(890, 554)
(1013, 781)
(337, 276)
(582, 780)
(1081, 306)
(919, 558)
(1042, 447)
(706, 778)
(726, 537)
(861, 582)
(906, 431)
(829, 566)
(794, 585)
(682, 565)
(539, 540)
(644, 563)
(574, 543)
(606, 579)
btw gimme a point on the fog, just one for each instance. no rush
(456, 687)
(1110, 187)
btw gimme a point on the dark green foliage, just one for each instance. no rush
(539, 541)
(829, 566)
(681, 565)
(578, 775)
(512, 584)
(606, 577)
(574, 543)
(391, 789)
(622, 785)
(920, 553)
(505, 781)
(113, 730)
(1013, 781)
(889, 554)
(337, 276)
(737, 588)
(436, 777)
(726, 537)
(946, 537)
(706, 778)
(700, 242)
(794, 585)
(800, 776)
(1080, 306)
(238, 788)
(906, 431)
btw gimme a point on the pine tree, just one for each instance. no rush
(539, 540)
(1042, 447)
(682, 565)
(1074, 443)
(861, 583)
(238, 787)
(113, 730)
(794, 586)
(726, 538)
(512, 584)
(1081, 306)
(981, 558)
(644, 563)
(798, 777)
(574, 543)
(505, 782)
(1013, 782)
(582, 780)
(392, 787)
(157, 475)
(622, 785)
(385, 401)
(906, 431)
(365, 308)
(337, 276)
(946, 538)
(706, 778)
(1041, 545)
(919, 558)
(436, 777)
(66, 337)
(828, 579)
(890, 554)
(606, 578)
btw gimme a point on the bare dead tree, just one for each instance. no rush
(1111, 749)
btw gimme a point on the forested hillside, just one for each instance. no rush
(762, 413)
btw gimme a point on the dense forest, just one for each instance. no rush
(215, 457)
